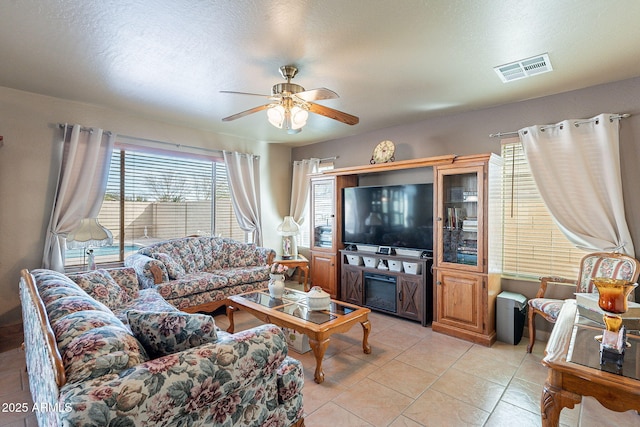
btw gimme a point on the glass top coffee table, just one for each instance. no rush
(291, 311)
(573, 359)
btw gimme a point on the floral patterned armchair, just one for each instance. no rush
(599, 264)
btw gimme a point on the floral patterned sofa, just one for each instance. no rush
(102, 352)
(198, 273)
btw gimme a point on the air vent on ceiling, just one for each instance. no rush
(524, 68)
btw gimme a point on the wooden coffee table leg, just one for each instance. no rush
(318, 347)
(366, 328)
(230, 310)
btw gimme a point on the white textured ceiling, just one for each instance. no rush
(392, 62)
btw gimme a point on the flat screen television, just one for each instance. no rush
(400, 216)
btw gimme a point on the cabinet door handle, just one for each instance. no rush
(438, 282)
(439, 219)
(400, 296)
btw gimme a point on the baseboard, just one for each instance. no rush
(482, 339)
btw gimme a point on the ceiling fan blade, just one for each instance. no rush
(317, 94)
(245, 93)
(333, 114)
(246, 112)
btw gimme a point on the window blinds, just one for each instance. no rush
(533, 246)
(165, 196)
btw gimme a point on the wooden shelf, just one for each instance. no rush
(391, 166)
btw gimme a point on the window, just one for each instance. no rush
(533, 246)
(305, 228)
(166, 195)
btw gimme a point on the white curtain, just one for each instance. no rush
(576, 167)
(300, 187)
(82, 182)
(243, 173)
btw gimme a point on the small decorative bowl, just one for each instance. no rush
(317, 299)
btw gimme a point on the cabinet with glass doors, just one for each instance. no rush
(326, 230)
(467, 241)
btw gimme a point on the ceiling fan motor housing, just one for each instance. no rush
(286, 88)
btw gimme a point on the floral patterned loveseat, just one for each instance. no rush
(102, 352)
(198, 273)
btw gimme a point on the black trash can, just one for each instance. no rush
(511, 312)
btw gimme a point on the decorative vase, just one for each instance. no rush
(612, 299)
(276, 285)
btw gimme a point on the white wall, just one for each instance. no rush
(28, 123)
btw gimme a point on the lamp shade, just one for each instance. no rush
(288, 227)
(89, 233)
(291, 119)
(276, 116)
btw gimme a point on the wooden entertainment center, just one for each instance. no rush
(467, 239)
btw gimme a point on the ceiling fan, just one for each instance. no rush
(291, 103)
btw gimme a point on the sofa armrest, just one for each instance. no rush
(150, 271)
(183, 384)
(44, 363)
(265, 255)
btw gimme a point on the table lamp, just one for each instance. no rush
(288, 230)
(87, 235)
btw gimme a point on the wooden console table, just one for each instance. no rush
(572, 356)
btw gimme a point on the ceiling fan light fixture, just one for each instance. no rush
(276, 116)
(291, 119)
(291, 104)
(298, 117)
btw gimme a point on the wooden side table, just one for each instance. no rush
(301, 262)
(572, 356)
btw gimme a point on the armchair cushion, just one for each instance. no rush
(550, 307)
(163, 333)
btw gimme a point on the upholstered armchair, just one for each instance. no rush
(598, 264)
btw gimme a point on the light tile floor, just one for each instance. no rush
(413, 377)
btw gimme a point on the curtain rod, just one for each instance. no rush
(578, 122)
(173, 144)
(82, 128)
(324, 159)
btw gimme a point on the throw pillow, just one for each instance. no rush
(101, 286)
(174, 269)
(104, 350)
(163, 333)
